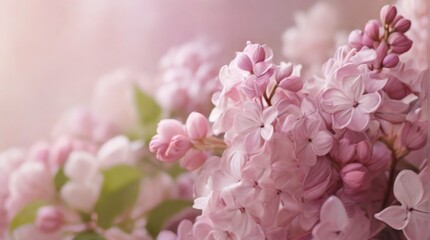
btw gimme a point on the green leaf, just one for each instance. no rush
(88, 236)
(60, 179)
(175, 170)
(148, 111)
(119, 193)
(163, 212)
(27, 215)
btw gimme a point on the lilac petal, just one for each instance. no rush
(408, 188)
(253, 141)
(342, 118)
(324, 231)
(395, 216)
(269, 115)
(334, 100)
(369, 103)
(307, 156)
(334, 212)
(322, 142)
(418, 226)
(267, 132)
(312, 126)
(353, 86)
(359, 120)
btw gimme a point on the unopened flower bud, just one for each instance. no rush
(285, 70)
(353, 176)
(243, 62)
(255, 52)
(292, 83)
(171, 142)
(49, 219)
(390, 61)
(197, 126)
(372, 30)
(388, 13)
(367, 41)
(414, 135)
(399, 43)
(355, 39)
(396, 89)
(402, 25)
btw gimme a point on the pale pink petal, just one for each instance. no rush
(334, 100)
(359, 120)
(253, 141)
(312, 126)
(353, 86)
(245, 124)
(334, 212)
(418, 226)
(395, 216)
(408, 188)
(322, 143)
(267, 132)
(342, 118)
(269, 115)
(324, 231)
(369, 103)
(307, 156)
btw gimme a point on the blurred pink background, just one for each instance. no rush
(52, 52)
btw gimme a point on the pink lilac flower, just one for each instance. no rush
(311, 141)
(350, 106)
(255, 124)
(413, 216)
(336, 224)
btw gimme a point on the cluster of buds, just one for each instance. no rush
(386, 36)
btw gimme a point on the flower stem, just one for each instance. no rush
(391, 177)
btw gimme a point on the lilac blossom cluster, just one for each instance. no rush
(324, 159)
(94, 178)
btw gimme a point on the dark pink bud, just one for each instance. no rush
(363, 151)
(372, 30)
(388, 13)
(414, 135)
(49, 219)
(402, 25)
(244, 62)
(396, 89)
(381, 52)
(353, 176)
(390, 61)
(396, 19)
(399, 43)
(367, 41)
(354, 39)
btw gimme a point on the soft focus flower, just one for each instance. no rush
(189, 77)
(83, 189)
(49, 219)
